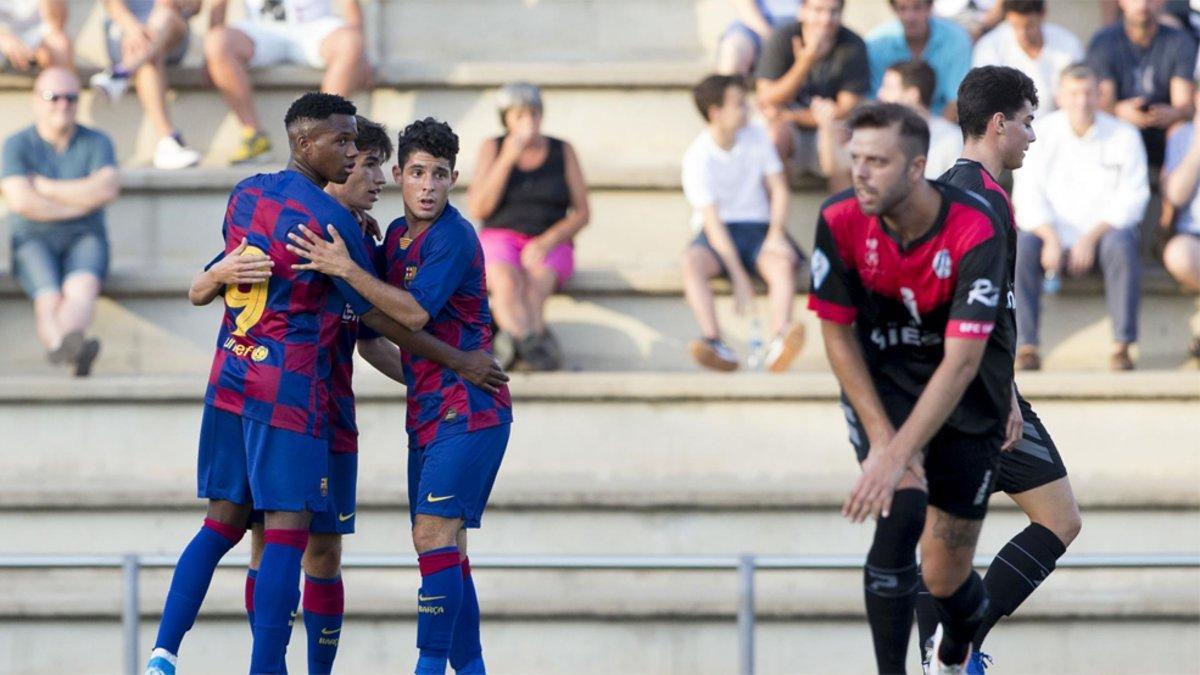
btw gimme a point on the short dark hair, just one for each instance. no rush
(428, 135)
(928, 3)
(711, 91)
(373, 136)
(914, 132)
(917, 74)
(1025, 7)
(988, 90)
(317, 106)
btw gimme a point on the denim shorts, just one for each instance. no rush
(42, 259)
(748, 240)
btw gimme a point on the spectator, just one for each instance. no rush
(976, 16)
(806, 61)
(144, 37)
(282, 31)
(34, 33)
(1079, 198)
(735, 183)
(1026, 42)
(1146, 72)
(530, 194)
(1181, 174)
(742, 42)
(58, 175)
(918, 35)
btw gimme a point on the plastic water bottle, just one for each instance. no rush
(755, 344)
(1051, 284)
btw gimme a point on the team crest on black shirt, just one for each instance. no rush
(942, 265)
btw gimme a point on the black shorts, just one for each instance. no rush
(1034, 461)
(748, 240)
(961, 469)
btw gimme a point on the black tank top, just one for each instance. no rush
(533, 201)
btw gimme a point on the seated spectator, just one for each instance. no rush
(275, 32)
(911, 84)
(531, 197)
(739, 195)
(1146, 72)
(741, 44)
(1025, 41)
(977, 17)
(144, 37)
(918, 35)
(1079, 199)
(34, 33)
(805, 61)
(58, 176)
(1181, 175)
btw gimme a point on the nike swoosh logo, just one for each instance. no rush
(430, 598)
(344, 518)
(326, 631)
(433, 499)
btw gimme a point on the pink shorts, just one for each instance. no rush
(505, 246)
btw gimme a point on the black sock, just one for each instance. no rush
(890, 579)
(961, 614)
(1024, 563)
(927, 617)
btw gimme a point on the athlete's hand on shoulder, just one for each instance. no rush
(327, 257)
(873, 491)
(482, 370)
(369, 224)
(241, 268)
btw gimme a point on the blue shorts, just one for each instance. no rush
(453, 477)
(41, 260)
(244, 461)
(343, 496)
(748, 240)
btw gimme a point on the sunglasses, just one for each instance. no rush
(55, 97)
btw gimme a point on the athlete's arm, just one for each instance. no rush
(225, 270)
(850, 368)
(477, 367)
(383, 356)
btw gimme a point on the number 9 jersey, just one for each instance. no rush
(274, 353)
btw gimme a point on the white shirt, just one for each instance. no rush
(1178, 145)
(735, 180)
(20, 15)
(287, 11)
(945, 146)
(1076, 183)
(1060, 48)
(951, 8)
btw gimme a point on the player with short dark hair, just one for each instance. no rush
(907, 277)
(1002, 101)
(457, 432)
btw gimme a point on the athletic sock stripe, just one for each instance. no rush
(1032, 584)
(1045, 572)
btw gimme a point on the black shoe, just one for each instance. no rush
(68, 350)
(87, 356)
(532, 350)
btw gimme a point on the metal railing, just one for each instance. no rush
(746, 567)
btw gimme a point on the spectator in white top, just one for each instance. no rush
(34, 33)
(735, 182)
(976, 16)
(283, 31)
(1181, 175)
(742, 42)
(1027, 42)
(1079, 199)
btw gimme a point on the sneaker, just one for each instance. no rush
(68, 350)
(713, 354)
(504, 348)
(532, 350)
(553, 348)
(171, 154)
(162, 662)
(254, 144)
(1194, 347)
(978, 663)
(927, 654)
(1028, 359)
(87, 356)
(939, 668)
(784, 349)
(109, 84)
(1120, 360)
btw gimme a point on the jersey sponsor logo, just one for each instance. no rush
(984, 292)
(943, 267)
(982, 493)
(909, 336)
(433, 500)
(451, 415)
(1010, 299)
(974, 327)
(820, 268)
(909, 298)
(256, 353)
(348, 315)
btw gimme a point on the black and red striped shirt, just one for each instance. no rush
(905, 300)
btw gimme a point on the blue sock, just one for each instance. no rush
(276, 595)
(466, 653)
(324, 602)
(189, 584)
(438, 602)
(251, 578)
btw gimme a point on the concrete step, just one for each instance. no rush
(605, 647)
(686, 440)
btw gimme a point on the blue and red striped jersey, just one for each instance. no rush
(343, 421)
(274, 352)
(443, 269)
